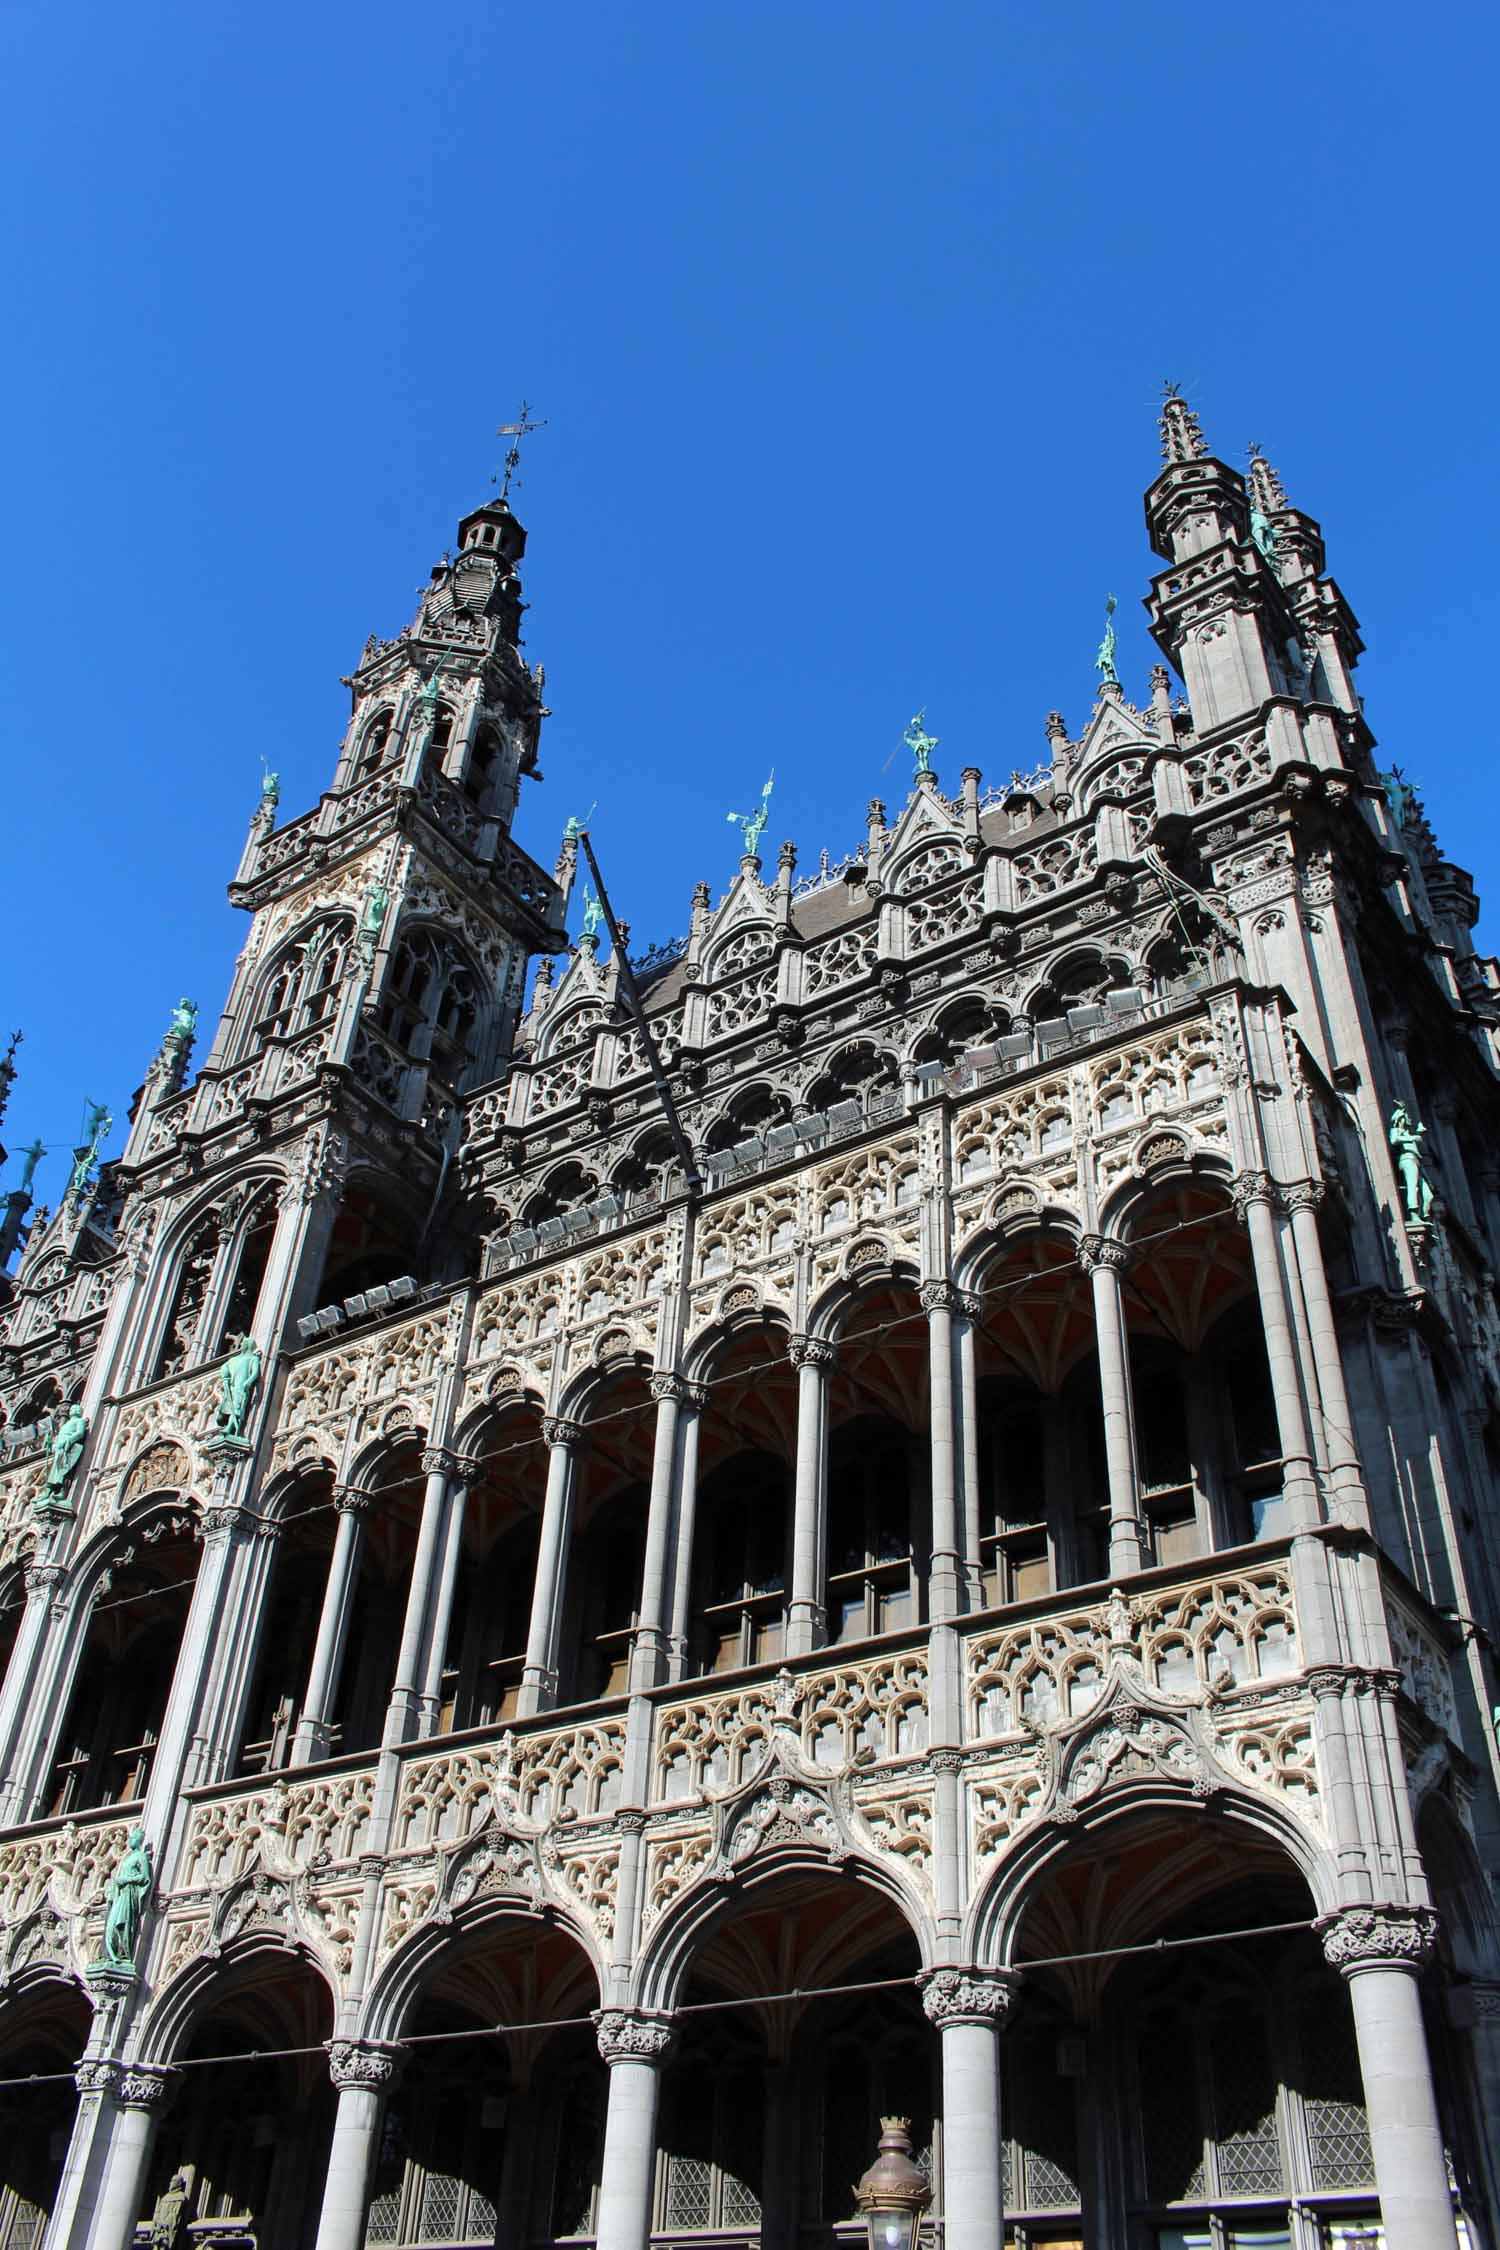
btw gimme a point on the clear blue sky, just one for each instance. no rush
(848, 322)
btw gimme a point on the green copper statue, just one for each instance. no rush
(593, 919)
(1401, 796)
(239, 1380)
(64, 1452)
(183, 1025)
(575, 827)
(129, 1887)
(377, 899)
(1405, 1137)
(753, 825)
(1263, 534)
(921, 744)
(96, 1123)
(270, 789)
(33, 1156)
(1104, 662)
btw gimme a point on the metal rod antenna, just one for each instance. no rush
(626, 975)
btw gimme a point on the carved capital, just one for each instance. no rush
(696, 1395)
(946, 1761)
(221, 1523)
(349, 1501)
(968, 1995)
(1378, 1937)
(1350, 1679)
(365, 2064)
(813, 1351)
(668, 1386)
(940, 1296)
(1303, 1195)
(1249, 1188)
(971, 1305)
(43, 1576)
(557, 1430)
(96, 2075)
(1096, 1252)
(133, 2085)
(440, 1461)
(631, 2035)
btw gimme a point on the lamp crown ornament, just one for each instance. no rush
(895, 2191)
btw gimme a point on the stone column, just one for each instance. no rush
(109, 2155)
(940, 1301)
(42, 1581)
(440, 1467)
(965, 1329)
(1381, 1950)
(450, 1558)
(539, 1677)
(968, 2006)
(1254, 1198)
(635, 2045)
(364, 2073)
(1104, 1262)
(314, 1735)
(648, 1652)
(1345, 1474)
(684, 1530)
(807, 1618)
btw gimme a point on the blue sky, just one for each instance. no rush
(848, 324)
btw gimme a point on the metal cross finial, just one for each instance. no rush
(515, 431)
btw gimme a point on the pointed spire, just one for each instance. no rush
(1181, 438)
(1265, 485)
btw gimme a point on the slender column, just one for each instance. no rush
(807, 1618)
(42, 1582)
(967, 1402)
(1345, 1474)
(539, 1677)
(940, 1301)
(1104, 1262)
(968, 2006)
(449, 1559)
(403, 1710)
(109, 2155)
(1253, 1195)
(635, 2045)
(648, 1653)
(1381, 1950)
(364, 2073)
(679, 1622)
(315, 1727)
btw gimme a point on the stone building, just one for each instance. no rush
(962, 1583)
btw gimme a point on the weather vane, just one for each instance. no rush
(515, 431)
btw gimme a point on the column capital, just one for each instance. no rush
(558, 1430)
(982, 1996)
(350, 1501)
(222, 1521)
(1351, 1679)
(669, 1386)
(1378, 1937)
(132, 2085)
(940, 1296)
(1250, 1188)
(366, 2064)
(41, 1577)
(971, 1305)
(813, 1351)
(1303, 1195)
(441, 1461)
(1096, 1252)
(633, 2035)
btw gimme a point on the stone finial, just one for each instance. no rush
(8, 1069)
(1057, 731)
(1181, 437)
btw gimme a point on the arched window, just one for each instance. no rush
(193, 1276)
(373, 746)
(742, 1535)
(483, 765)
(1014, 1546)
(430, 983)
(872, 1582)
(441, 734)
(256, 1235)
(300, 986)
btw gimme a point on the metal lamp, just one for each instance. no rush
(893, 2194)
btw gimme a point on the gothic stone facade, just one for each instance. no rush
(790, 1650)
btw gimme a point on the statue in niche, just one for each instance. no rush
(1406, 1136)
(129, 1887)
(64, 1452)
(239, 1380)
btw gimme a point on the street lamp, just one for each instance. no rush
(893, 2194)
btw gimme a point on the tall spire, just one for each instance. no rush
(1181, 438)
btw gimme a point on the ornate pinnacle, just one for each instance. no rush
(1265, 485)
(8, 1069)
(1181, 438)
